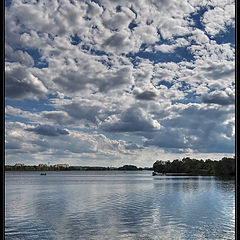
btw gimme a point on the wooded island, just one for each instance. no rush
(223, 167)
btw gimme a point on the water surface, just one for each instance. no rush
(117, 205)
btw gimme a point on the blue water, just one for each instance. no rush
(116, 206)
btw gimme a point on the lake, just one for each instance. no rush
(115, 205)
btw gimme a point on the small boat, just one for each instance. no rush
(43, 174)
(156, 174)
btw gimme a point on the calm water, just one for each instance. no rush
(117, 206)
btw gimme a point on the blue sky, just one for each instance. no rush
(110, 83)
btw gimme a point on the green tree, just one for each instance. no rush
(225, 167)
(128, 167)
(158, 166)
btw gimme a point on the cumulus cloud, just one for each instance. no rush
(20, 83)
(16, 140)
(23, 139)
(117, 21)
(19, 56)
(217, 71)
(134, 119)
(170, 48)
(217, 19)
(143, 74)
(201, 128)
(219, 97)
(147, 95)
(167, 138)
(48, 130)
(59, 117)
(75, 81)
(118, 43)
(83, 111)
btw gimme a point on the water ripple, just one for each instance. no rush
(118, 206)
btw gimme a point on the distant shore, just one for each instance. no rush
(41, 167)
(187, 166)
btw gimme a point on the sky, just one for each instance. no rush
(109, 83)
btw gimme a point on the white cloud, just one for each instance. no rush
(195, 126)
(103, 65)
(19, 56)
(146, 34)
(217, 19)
(119, 20)
(170, 48)
(75, 81)
(45, 139)
(226, 97)
(134, 119)
(20, 83)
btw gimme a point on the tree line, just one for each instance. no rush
(73, 168)
(224, 167)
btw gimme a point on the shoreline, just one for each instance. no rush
(124, 171)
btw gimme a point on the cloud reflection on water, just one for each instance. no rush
(118, 206)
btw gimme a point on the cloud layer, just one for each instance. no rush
(110, 79)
